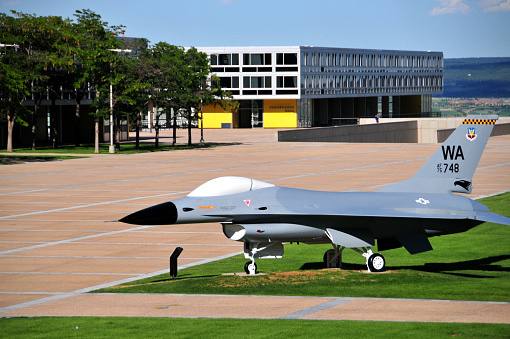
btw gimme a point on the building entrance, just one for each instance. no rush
(250, 114)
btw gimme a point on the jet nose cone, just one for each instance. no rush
(162, 214)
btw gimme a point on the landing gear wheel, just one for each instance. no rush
(250, 267)
(327, 255)
(376, 263)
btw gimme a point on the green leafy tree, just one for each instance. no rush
(199, 89)
(166, 80)
(37, 52)
(130, 95)
(97, 61)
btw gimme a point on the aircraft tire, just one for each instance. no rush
(250, 265)
(325, 258)
(376, 263)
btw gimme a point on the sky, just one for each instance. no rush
(458, 28)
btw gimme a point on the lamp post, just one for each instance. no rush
(111, 149)
(201, 122)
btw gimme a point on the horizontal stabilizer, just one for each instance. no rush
(493, 217)
(351, 238)
(414, 243)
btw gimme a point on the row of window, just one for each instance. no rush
(253, 69)
(254, 59)
(259, 82)
(371, 60)
(370, 81)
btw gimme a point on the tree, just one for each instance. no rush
(199, 91)
(166, 79)
(96, 60)
(130, 94)
(38, 50)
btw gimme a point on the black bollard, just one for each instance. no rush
(173, 262)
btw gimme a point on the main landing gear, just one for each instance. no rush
(250, 267)
(375, 261)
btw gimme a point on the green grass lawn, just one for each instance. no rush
(474, 265)
(128, 148)
(117, 327)
(18, 159)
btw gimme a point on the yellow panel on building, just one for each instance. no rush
(215, 116)
(280, 113)
(215, 120)
(280, 120)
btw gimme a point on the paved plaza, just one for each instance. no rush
(56, 243)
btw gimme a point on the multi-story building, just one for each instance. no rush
(304, 86)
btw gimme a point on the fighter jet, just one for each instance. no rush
(407, 213)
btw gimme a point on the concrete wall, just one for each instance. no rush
(397, 132)
(426, 130)
(428, 127)
(499, 129)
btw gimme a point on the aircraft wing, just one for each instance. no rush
(493, 217)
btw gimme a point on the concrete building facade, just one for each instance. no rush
(304, 86)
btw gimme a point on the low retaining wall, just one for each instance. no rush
(499, 129)
(392, 132)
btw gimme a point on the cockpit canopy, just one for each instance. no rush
(227, 185)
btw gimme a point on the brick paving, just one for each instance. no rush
(55, 244)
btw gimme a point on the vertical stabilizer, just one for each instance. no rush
(452, 166)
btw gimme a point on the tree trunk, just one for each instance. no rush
(116, 128)
(156, 127)
(34, 123)
(77, 119)
(189, 126)
(174, 128)
(96, 137)
(10, 127)
(137, 131)
(53, 126)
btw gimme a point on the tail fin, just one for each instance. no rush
(452, 166)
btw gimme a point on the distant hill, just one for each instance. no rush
(477, 78)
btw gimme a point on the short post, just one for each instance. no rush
(173, 262)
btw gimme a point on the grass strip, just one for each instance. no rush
(104, 149)
(19, 159)
(117, 327)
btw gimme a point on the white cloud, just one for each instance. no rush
(451, 7)
(495, 5)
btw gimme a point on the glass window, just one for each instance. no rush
(235, 82)
(267, 82)
(290, 58)
(267, 59)
(286, 58)
(225, 59)
(226, 82)
(257, 82)
(235, 59)
(279, 58)
(256, 59)
(286, 82)
(214, 59)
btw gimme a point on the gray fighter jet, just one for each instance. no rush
(264, 216)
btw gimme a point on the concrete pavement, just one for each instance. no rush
(55, 244)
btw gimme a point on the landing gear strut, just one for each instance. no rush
(375, 261)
